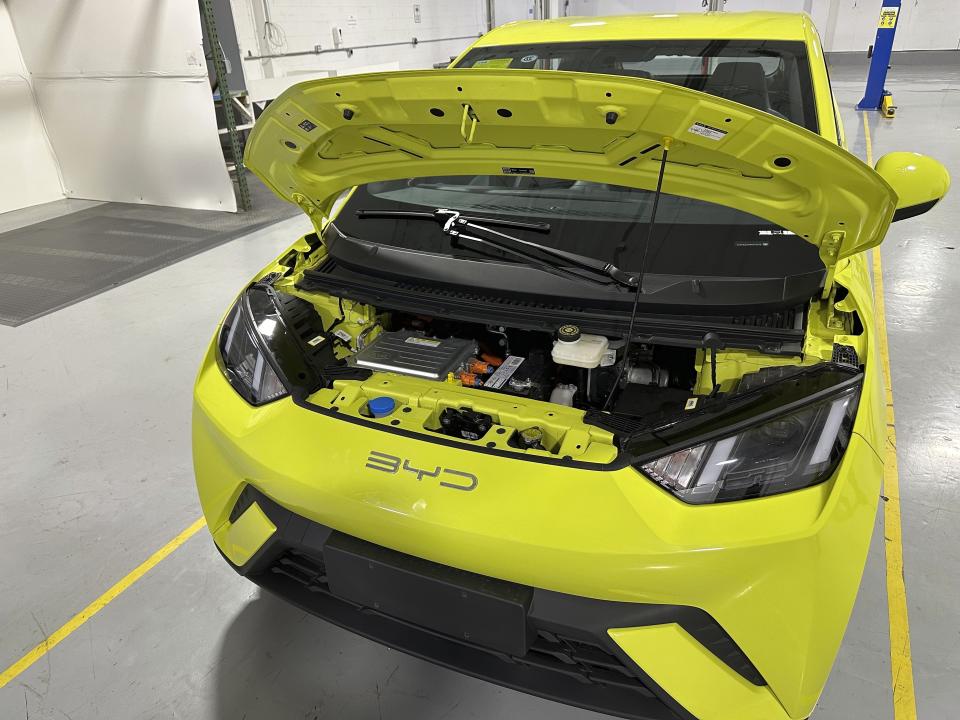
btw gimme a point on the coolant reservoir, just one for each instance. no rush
(572, 348)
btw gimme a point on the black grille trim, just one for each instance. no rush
(571, 657)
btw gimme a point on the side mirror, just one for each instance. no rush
(919, 181)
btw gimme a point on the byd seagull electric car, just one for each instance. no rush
(575, 385)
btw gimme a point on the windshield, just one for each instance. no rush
(691, 238)
(772, 76)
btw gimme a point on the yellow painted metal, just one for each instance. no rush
(240, 540)
(917, 179)
(671, 657)
(421, 401)
(655, 26)
(409, 124)
(887, 108)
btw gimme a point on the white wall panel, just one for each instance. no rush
(627, 7)
(130, 140)
(29, 170)
(122, 87)
(304, 24)
(505, 11)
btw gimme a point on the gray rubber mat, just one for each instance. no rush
(55, 263)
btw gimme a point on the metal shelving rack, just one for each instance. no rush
(228, 101)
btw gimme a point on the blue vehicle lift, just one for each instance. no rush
(875, 97)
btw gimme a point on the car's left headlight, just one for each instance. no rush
(788, 452)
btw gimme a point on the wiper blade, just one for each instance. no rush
(402, 214)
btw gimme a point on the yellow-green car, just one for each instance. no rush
(575, 387)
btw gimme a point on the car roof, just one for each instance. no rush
(756, 25)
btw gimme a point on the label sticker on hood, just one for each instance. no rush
(707, 131)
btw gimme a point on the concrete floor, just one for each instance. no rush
(96, 475)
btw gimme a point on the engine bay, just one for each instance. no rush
(569, 368)
(556, 391)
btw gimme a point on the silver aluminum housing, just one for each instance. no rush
(413, 353)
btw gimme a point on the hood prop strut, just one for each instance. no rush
(667, 142)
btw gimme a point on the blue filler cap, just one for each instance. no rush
(381, 406)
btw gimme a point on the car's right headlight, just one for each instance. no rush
(788, 452)
(247, 367)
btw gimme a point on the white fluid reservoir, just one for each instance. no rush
(563, 394)
(583, 351)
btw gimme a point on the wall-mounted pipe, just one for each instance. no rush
(350, 50)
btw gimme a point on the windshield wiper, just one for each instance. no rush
(453, 223)
(536, 227)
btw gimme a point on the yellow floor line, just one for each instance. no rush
(901, 662)
(74, 623)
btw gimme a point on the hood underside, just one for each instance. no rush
(322, 137)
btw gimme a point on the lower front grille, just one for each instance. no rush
(578, 659)
(584, 661)
(302, 569)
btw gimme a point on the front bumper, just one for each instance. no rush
(776, 577)
(562, 648)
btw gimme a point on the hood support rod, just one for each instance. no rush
(666, 142)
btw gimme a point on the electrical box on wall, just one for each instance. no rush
(337, 36)
(416, 13)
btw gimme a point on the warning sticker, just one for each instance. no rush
(425, 342)
(888, 17)
(307, 125)
(691, 404)
(707, 131)
(316, 341)
(343, 335)
(504, 372)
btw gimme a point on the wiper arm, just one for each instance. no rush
(401, 214)
(453, 221)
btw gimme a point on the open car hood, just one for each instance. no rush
(324, 136)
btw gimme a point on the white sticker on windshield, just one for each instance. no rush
(707, 131)
(528, 59)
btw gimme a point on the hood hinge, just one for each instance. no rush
(305, 204)
(468, 114)
(830, 254)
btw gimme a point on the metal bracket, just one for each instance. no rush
(829, 253)
(471, 116)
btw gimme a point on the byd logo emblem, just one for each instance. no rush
(456, 479)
